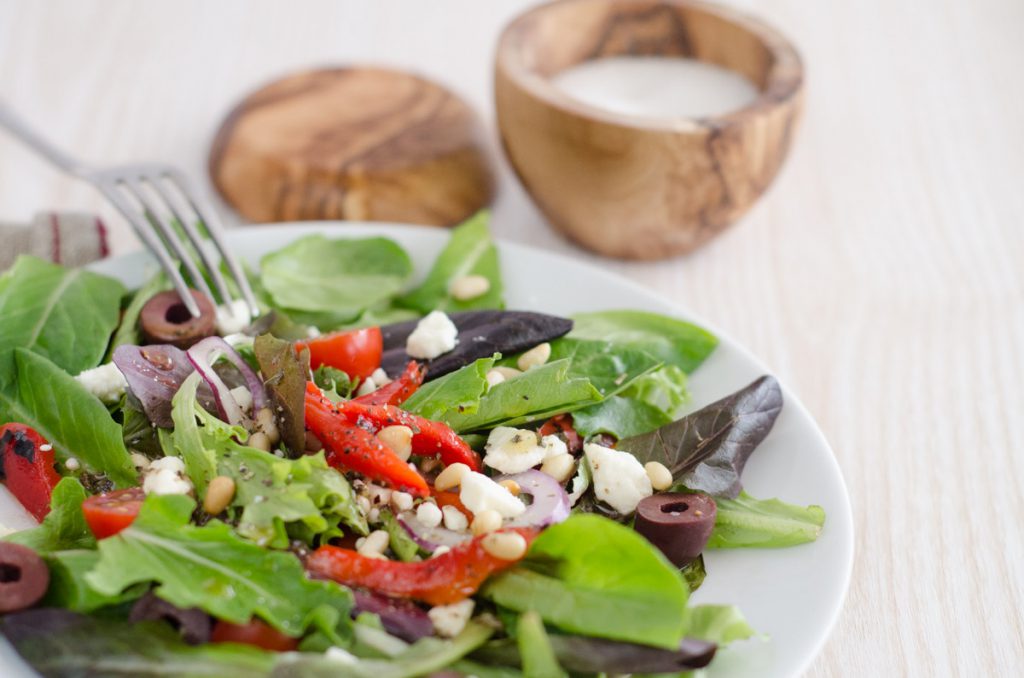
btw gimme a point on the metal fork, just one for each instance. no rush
(154, 198)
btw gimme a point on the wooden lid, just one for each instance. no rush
(352, 143)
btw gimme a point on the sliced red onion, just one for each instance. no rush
(203, 355)
(400, 617)
(429, 538)
(154, 374)
(549, 504)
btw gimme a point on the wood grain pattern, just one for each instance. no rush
(635, 188)
(881, 277)
(352, 143)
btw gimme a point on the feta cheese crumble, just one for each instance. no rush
(166, 476)
(380, 377)
(434, 335)
(479, 493)
(232, 318)
(450, 620)
(619, 479)
(105, 382)
(429, 514)
(243, 397)
(514, 450)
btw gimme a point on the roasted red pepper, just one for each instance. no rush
(429, 438)
(28, 466)
(445, 579)
(353, 448)
(562, 423)
(399, 390)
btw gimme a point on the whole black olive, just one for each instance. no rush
(24, 577)
(678, 524)
(166, 320)
(192, 624)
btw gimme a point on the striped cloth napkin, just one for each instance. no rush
(69, 238)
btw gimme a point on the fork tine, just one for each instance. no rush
(195, 240)
(209, 218)
(145, 232)
(170, 236)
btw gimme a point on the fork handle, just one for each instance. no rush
(17, 126)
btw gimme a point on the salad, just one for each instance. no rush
(375, 477)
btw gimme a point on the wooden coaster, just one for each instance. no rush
(352, 143)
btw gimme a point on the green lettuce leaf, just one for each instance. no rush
(746, 522)
(664, 388)
(400, 542)
(211, 568)
(284, 375)
(58, 643)
(274, 498)
(470, 251)
(611, 368)
(592, 576)
(457, 392)
(342, 276)
(538, 659)
(36, 392)
(68, 586)
(65, 315)
(128, 331)
(672, 341)
(721, 624)
(335, 384)
(64, 527)
(619, 416)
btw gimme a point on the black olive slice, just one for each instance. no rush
(24, 577)
(678, 524)
(166, 320)
(192, 624)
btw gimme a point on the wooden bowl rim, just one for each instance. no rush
(783, 83)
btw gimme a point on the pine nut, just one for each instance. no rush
(398, 438)
(535, 357)
(402, 501)
(507, 372)
(505, 545)
(469, 287)
(428, 514)
(560, 467)
(450, 477)
(266, 423)
(259, 440)
(440, 551)
(661, 477)
(494, 377)
(512, 486)
(375, 543)
(454, 519)
(486, 521)
(219, 494)
(363, 503)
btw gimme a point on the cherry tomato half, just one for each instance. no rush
(256, 632)
(107, 514)
(356, 353)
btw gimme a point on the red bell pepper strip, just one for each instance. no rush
(399, 390)
(446, 579)
(448, 498)
(353, 448)
(429, 438)
(28, 466)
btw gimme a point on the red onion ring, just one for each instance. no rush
(429, 538)
(549, 505)
(203, 355)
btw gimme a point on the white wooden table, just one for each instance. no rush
(882, 277)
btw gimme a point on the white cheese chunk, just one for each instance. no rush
(479, 493)
(619, 479)
(105, 382)
(514, 450)
(450, 620)
(232, 318)
(166, 476)
(380, 377)
(243, 397)
(367, 386)
(434, 335)
(429, 514)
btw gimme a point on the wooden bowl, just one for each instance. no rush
(353, 143)
(633, 187)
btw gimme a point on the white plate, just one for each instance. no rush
(792, 596)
